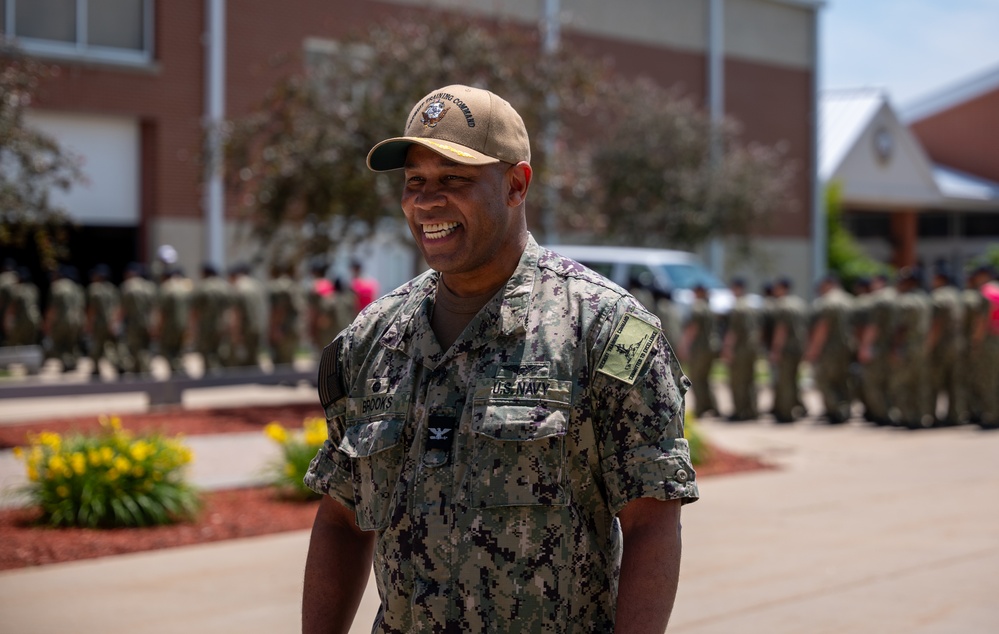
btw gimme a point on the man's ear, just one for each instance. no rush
(519, 180)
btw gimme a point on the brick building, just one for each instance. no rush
(135, 91)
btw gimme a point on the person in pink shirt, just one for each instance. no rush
(365, 288)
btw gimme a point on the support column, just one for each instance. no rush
(904, 234)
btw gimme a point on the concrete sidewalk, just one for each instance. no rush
(861, 529)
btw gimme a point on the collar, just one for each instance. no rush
(503, 316)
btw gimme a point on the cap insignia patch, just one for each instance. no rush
(434, 113)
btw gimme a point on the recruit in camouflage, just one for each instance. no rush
(493, 471)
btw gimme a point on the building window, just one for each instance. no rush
(106, 30)
(981, 225)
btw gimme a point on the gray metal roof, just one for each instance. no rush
(843, 117)
(950, 96)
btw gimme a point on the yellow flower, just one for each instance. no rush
(122, 464)
(57, 464)
(141, 450)
(110, 422)
(138, 471)
(94, 457)
(33, 474)
(289, 469)
(107, 454)
(277, 433)
(19, 453)
(62, 491)
(79, 463)
(50, 439)
(315, 432)
(112, 474)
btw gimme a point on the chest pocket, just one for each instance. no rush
(373, 441)
(519, 449)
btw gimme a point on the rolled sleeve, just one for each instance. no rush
(329, 474)
(650, 472)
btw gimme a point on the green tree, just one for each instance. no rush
(657, 177)
(846, 258)
(32, 165)
(295, 164)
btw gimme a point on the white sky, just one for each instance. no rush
(911, 48)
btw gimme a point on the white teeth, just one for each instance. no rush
(439, 230)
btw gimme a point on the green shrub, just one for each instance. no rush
(700, 451)
(110, 479)
(297, 449)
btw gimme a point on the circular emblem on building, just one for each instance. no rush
(884, 144)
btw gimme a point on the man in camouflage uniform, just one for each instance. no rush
(501, 425)
(790, 315)
(103, 319)
(210, 301)
(287, 308)
(64, 317)
(946, 348)
(983, 352)
(248, 317)
(138, 310)
(21, 318)
(333, 312)
(830, 348)
(740, 349)
(908, 377)
(700, 348)
(874, 349)
(174, 315)
(8, 278)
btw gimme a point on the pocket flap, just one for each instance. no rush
(519, 423)
(371, 437)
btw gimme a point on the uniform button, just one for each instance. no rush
(681, 476)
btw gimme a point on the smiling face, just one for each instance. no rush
(469, 221)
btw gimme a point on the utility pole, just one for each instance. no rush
(716, 111)
(213, 201)
(551, 40)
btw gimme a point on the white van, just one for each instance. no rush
(676, 272)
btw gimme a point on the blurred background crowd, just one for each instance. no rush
(906, 351)
(229, 318)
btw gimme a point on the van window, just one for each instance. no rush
(604, 268)
(690, 275)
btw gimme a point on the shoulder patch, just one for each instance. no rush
(628, 348)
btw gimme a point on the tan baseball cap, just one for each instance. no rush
(467, 125)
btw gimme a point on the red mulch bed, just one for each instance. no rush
(226, 514)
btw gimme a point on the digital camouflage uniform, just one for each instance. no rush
(908, 377)
(982, 359)
(210, 300)
(831, 368)
(138, 306)
(336, 311)
(22, 320)
(7, 281)
(669, 318)
(876, 372)
(174, 312)
(703, 351)
(249, 310)
(744, 329)
(791, 315)
(287, 301)
(64, 322)
(103, 306)
(493, 472)
(946, 355)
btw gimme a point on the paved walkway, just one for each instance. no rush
(860, 529)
